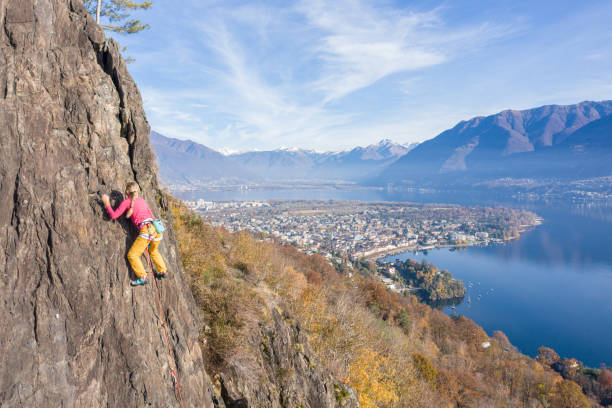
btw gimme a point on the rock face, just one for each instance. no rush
(74, 333)
(282, 372)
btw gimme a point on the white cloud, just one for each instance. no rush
(361, 44)
(264, 76)
(164, 112)
(260, 110)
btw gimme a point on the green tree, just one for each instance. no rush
(116, 13)
(403, 319)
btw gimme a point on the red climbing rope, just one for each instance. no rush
(163, 319)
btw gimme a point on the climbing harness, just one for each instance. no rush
(173, 371)
(151, 232)
(145, 222)
(157, 224)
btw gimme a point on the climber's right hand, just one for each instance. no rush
(106, 199)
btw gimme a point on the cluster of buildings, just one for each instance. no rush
(358, 229)
(596, 190)
(204, 205)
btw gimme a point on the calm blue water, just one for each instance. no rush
(551, 287)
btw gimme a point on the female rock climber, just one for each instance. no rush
(139, 212)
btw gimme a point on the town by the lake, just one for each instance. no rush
(352, 234)
(368, 229)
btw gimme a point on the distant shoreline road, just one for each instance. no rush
(377, 254)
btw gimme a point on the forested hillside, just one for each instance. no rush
(392, 350)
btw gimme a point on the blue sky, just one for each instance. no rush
(329, 75)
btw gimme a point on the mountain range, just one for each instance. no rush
(188, 163)
(563, 142)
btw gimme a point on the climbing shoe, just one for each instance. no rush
(160, 275)
(139, 282)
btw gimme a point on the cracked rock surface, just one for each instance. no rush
(74, 333)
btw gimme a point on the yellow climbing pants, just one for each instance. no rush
(147, 236)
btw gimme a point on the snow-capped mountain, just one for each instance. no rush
(190, 163)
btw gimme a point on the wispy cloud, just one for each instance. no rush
(360, 45)
(265, 75)
(344, 46)
(260, 109)
(165, 110)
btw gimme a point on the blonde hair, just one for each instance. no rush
(132, 189)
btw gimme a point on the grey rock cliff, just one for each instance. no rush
(74, 333)
(282, 371)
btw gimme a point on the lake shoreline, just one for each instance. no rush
(386, 252)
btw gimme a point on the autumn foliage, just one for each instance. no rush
(393, 350)
(605, 378)
(568, 394)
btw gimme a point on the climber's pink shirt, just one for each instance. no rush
(141, 210)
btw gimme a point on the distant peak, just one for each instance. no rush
(299, 150)
(289, 149)
(227, 151)
(411, 145)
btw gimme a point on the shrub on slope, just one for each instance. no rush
(393, 350)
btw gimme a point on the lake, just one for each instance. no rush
(551, 287)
